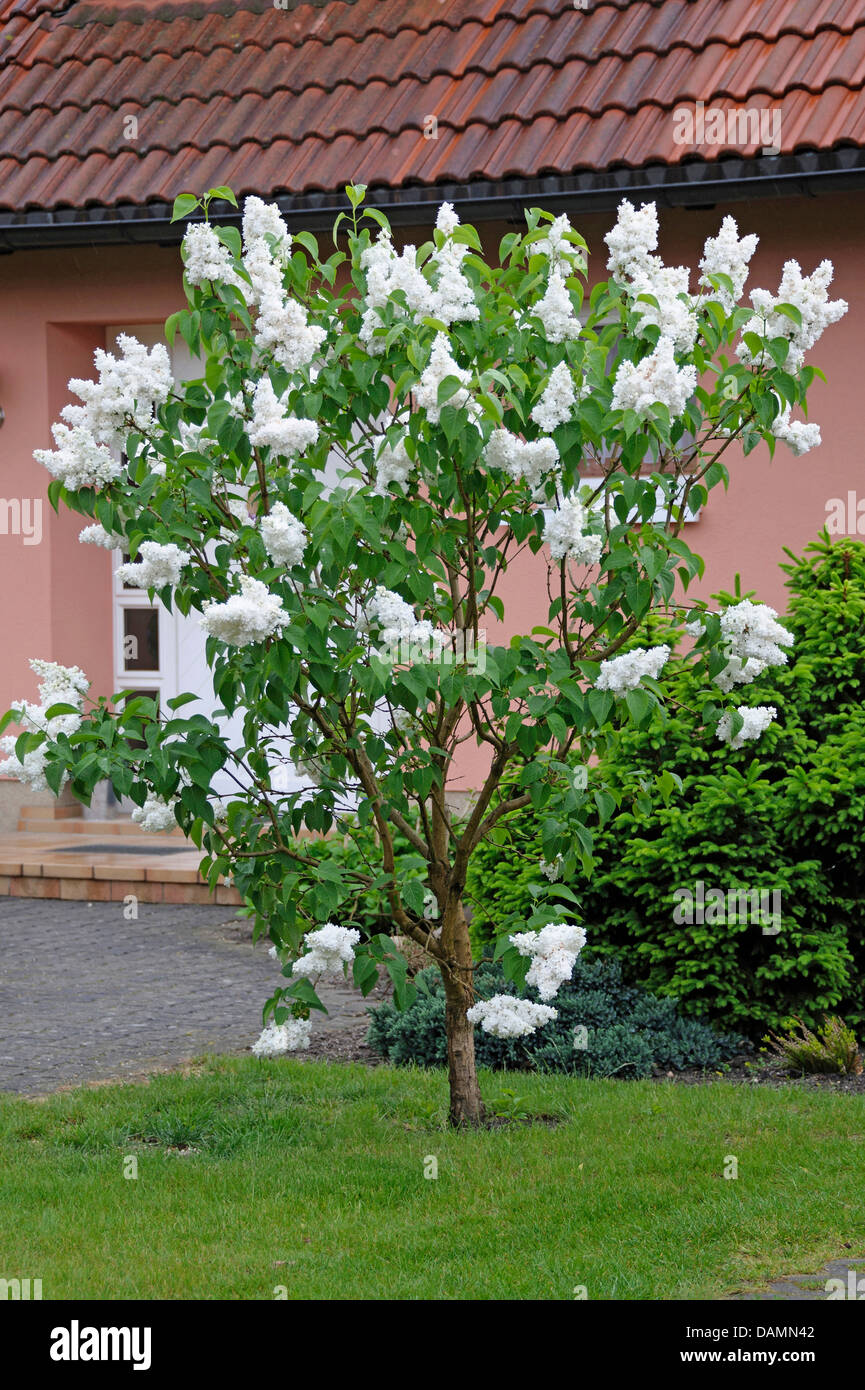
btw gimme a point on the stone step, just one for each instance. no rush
(104, 867)
(79, 825)
(56, 811)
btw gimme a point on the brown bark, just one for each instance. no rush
(466, 1106)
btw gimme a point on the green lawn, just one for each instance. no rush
(312, 1177)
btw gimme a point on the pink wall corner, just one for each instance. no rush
(81, 604)
(57, 304)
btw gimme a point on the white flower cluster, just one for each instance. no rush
(451, 301)
(454, 299)
(799, 435)
(126, 395)
(530, 460)
(329, 949)
(552, 871)
(623, 673)
(753, 640)
(271, 428)
(279, 1038)
(399, 626)
(392, 465)
(631, 241)
(157, 565)
(557, 400)
(757, 721)
(556, 311)
(807, 293)
(656, 380)
(206, 258)
(506, 1016)
(553, 951)
(250, 616)
(726, 254)
(156, 814)
(564, 532)
(97, 535)
(282, 325)
(386, 273)
(58, 685)
(674, 315)
(555, 245)
(283, 535)
(441, 365)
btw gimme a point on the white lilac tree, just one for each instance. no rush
(373, 439)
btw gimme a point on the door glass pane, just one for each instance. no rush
(141, 639)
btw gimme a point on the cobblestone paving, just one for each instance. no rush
(811, 1288)
(86, 995)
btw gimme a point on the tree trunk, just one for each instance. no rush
(466, 1107)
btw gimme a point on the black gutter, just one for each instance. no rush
(698, 183)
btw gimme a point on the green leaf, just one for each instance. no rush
(184, 204)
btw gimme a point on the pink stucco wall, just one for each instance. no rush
(56, 595)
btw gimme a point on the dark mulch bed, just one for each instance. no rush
(349, 1045)
(757, 1074)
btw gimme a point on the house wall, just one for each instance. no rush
(56, 595)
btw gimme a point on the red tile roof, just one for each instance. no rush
(323, 92)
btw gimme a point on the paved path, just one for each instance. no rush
(812, 1288)
(86, 995)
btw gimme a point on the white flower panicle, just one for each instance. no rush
(440, 366)
(282, 326)
(557, 248)
(206, 258)
(532, 461)
(631, 240)
(78, 461)
(126, 395)
(279, 1038)
(506, 1016)
(156, 814)
(400, 628)
(454, 299)
(757, 721)
(253, 615)
(328, 950)
(674, 314)
(262, 221)
(556, 311)
(553, 951)
(386, 273)
(97, 535)
(623, 673)
(284, 536)
(752, 639)
(557, 401)
(800, 436)
(727, 254)
(157, 566)
(392, 466)
(272, 429)
(639, 386)
(565, 534)
(58, 685)
(807, 293)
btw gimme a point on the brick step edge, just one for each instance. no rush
(115, 890)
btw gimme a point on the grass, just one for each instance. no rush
(298, 1174)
